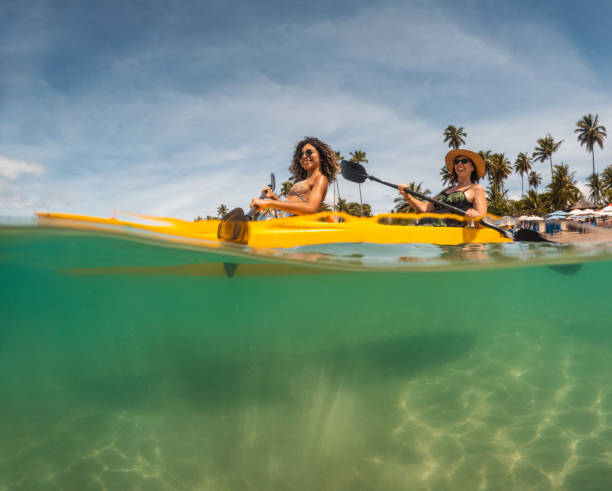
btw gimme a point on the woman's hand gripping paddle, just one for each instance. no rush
(355, 172)
(263, 195)
(234, 226)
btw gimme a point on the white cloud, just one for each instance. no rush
(12, 169)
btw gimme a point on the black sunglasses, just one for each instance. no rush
(462, 161)
(307, 153)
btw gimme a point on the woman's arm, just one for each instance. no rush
(315, 197)
(417, 204)
(479, 204)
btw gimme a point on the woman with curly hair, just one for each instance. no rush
(314, 167)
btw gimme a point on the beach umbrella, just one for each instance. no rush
(557, 214)
(607, 209)
(584, 213)
(574, 212)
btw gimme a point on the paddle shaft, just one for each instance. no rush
(442, 204)
(272, 185)
(252, 211)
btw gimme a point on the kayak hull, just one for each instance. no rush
(320, 228)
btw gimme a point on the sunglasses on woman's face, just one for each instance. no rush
(307, 153)
(462, 161)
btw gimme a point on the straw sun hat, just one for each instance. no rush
(474, 157)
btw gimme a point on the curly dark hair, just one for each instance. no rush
(473, 176)
(327, 157)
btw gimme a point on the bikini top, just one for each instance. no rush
(299, 189)
(456, 199)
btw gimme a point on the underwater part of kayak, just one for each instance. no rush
(319, 228)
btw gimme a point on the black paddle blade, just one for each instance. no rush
(353, 171)
(234, 227)
(272, 181)
(526, 235)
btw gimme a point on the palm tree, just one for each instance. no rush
(563, 190)
(590, 132)
(596, 185)
(401, 205)
(606, 178)
(534, 179)
(285, 188)
(359, 156)
(497, 201)
(546, 147)
(324, 206)
(336, 186)
(535, 203)
(454, 136)
(222, 210)
(342, 205)
(499, 170)
(446, 176)
(486, 158)
(359, 209)
(522, 166)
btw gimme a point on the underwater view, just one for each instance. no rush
(133, 362)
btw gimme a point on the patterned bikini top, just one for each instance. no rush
(299, 189)
(456, 199)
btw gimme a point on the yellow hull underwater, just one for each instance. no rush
(320, 228)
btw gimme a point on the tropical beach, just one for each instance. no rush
(337, 246)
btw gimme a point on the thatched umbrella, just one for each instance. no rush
(582, 204)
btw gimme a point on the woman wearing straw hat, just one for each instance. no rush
(466, 194)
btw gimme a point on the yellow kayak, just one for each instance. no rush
(320, 228)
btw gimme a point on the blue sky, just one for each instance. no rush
(171, 108)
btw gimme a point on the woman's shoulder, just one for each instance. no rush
(474, 188)
(320, 179)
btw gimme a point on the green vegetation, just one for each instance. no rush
(534, 180)
(446, 176)
(222, 210)
(606, 180)
(401, 205)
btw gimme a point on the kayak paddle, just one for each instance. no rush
(355, 172)
(234, 226)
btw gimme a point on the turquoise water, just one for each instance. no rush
(130, 363)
